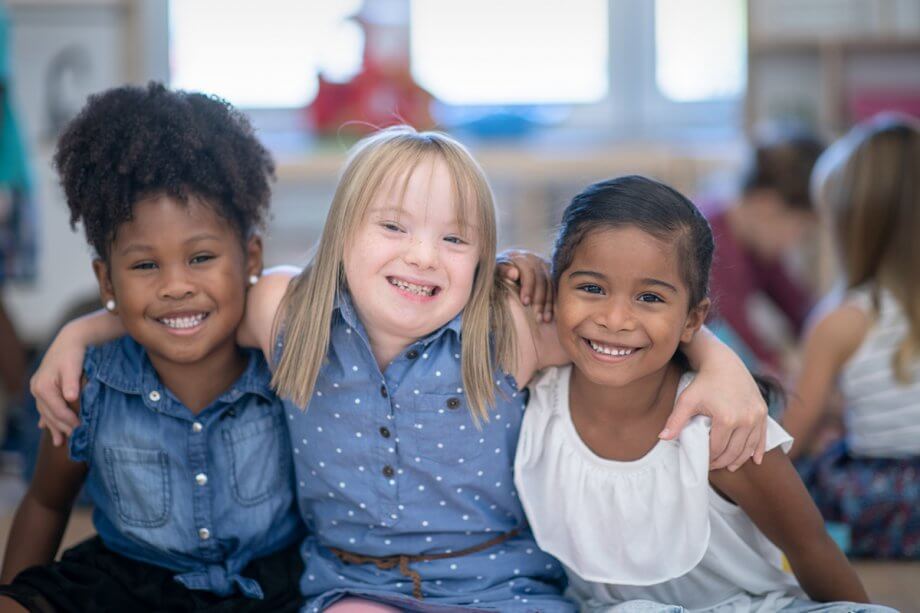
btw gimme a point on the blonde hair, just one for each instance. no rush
(305, 316)
(869, 183)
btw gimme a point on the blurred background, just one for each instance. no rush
(550, 96)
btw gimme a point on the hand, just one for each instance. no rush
(732, 399)
(532, 274)
(57, 382)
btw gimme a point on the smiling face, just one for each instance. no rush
(410, 266)
(622, 306)
(178, 275)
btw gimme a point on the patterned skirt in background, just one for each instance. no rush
(877, 498)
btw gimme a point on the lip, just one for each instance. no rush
(410, 295)
(197, 318)
(610, 359)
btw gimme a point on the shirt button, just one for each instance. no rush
(453, 403)
(384, 432)
(383, 391)
(204, 534)
(154, 396)
(412, 354)
(197, 427)
(201, 479)
(388, 471)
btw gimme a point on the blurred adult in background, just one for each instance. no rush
(754, 234)
(18, 248)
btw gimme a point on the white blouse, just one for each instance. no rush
(649, 529)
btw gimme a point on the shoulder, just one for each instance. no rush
(840, 331)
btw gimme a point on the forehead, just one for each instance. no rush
(628, 253)
(430, 189)
(164, 220)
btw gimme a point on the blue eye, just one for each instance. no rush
(456, 240)
(591, 288)
(650, 298)
(392, 227)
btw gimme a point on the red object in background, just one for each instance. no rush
(864, 104)
(374, 99)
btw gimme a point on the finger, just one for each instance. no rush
(508, 271)
(679, 417)
(70, 386)
(550, 299)
(527, 282)
(718, 443)
(732, 452)
(539, 293)
(761, 448)
(747, 453)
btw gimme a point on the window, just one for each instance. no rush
(692, 35)
(266, 54)
(482, 52)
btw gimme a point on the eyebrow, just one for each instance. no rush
(645, 281)
(142, 248)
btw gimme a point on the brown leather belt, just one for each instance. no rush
(404, 560)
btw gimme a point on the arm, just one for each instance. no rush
(538, 343)
(262, 303)
(41, 518)
(833, 340)
(724, 390)
(531, 273)
(57, 380)
(773, 496)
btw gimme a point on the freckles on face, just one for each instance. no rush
(622, 304)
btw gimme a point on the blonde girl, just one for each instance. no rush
(868, 347)
(402, 360)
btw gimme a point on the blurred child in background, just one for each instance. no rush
(868, 347)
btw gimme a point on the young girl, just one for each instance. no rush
(632, 517)
(403, 429)
(867, 347)
(183, 446)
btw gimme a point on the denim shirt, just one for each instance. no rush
(203, 494)
(392, 463)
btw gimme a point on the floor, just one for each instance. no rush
(895, 584)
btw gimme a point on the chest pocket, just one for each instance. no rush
(444, 431)
(139, 482)
(259, 457)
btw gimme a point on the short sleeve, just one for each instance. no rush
(81, 440)
(777, 437)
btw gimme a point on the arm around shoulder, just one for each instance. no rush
(537, 342)
(262, 304)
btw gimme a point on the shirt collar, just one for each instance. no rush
(126, 367)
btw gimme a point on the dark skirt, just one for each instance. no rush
(89, 577)
(877, 498)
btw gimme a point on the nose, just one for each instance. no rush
(176, 283)
(422, 253)
(615, 314)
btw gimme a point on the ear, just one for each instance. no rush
(695, 319)
(254, 256)
(104, 280)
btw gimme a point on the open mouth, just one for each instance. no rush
(413, 288)
(186, 321)
(619, 351)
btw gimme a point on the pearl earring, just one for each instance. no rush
(253, 279)
(110, 305)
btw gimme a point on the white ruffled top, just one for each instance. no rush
(650, 529)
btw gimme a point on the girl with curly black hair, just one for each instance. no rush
(182, 445)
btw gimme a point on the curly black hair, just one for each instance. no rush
(130, 143)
